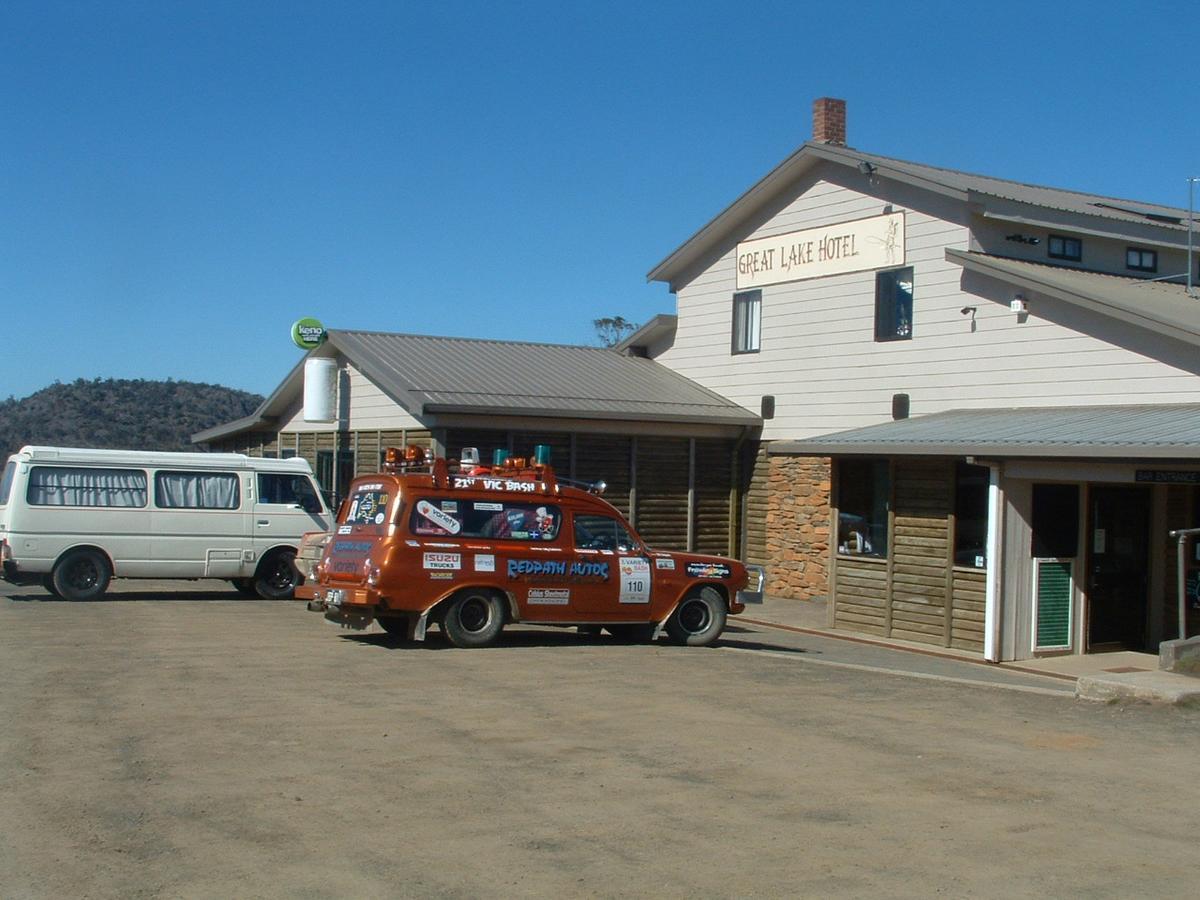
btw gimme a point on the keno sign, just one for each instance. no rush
(874, 243)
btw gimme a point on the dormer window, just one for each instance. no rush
(1059, 247)
(1137, 260)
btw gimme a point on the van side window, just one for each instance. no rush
(79, 486)
(196, 490)
(6, 481)
(602, 533)
(278, 487)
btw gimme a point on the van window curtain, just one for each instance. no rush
(69, 486)
(196, 490)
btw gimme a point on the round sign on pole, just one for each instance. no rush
(308, 333)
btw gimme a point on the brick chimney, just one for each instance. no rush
(829, 121)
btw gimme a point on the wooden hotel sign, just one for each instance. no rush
(874, 243)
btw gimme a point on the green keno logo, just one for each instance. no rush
(308, 333)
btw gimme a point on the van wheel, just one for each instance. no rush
(48, 584)
(244, 586)
(474, 618)
(276, 578)
(81, 575)
(699, 618)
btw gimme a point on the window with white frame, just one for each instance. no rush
(747, 321)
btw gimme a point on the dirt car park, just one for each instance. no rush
(175, 740)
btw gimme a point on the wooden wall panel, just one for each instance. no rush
(861, 590)
(714, 483)
(923, 503)
(603, 457)
(966, 631)
(662, 491)
(756, 466)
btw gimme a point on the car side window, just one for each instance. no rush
(602, 533)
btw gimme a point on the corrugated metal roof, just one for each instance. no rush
(428, 375)
(951, 182)
(445, 374)
(1104, 432)
(1157, 305)
(1033, 194)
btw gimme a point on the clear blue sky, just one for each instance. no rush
(180, 181)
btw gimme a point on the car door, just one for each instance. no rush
(613, 571)
(199, 524)
(286, 506)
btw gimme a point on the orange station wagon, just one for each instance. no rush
(473, 548)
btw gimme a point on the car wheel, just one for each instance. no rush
(699, 618)
(276, 578)
(81, 575)
(48, 584)
(473, 619)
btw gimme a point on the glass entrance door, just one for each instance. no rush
(1118, 567)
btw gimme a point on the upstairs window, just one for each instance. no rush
(747, 321)
(1059, 247)
(894, 305)
(1141, 260)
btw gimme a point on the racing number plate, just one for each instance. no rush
(635, 579)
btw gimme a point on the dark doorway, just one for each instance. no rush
(1118, 568)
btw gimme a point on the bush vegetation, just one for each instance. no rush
(121, 414)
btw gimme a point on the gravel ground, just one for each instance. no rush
(195, 745)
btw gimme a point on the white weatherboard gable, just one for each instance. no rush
(820, 361)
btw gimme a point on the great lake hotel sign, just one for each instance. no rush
(873, 243)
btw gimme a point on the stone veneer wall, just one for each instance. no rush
(798, 516)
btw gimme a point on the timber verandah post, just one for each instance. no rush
(891, 549)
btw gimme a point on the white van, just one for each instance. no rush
(73, 519)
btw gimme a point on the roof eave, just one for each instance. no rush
(1126, 452)
(982, 265)
(748, 420)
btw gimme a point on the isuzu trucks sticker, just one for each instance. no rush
(443, 560)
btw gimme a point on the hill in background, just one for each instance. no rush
(121, 414)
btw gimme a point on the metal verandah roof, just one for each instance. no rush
(429, 375)
(1093, 432)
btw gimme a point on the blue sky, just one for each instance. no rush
(180, 181)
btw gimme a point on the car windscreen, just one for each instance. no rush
(483, 519)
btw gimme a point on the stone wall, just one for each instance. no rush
(798, 527)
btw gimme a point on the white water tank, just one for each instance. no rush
(320, 389)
